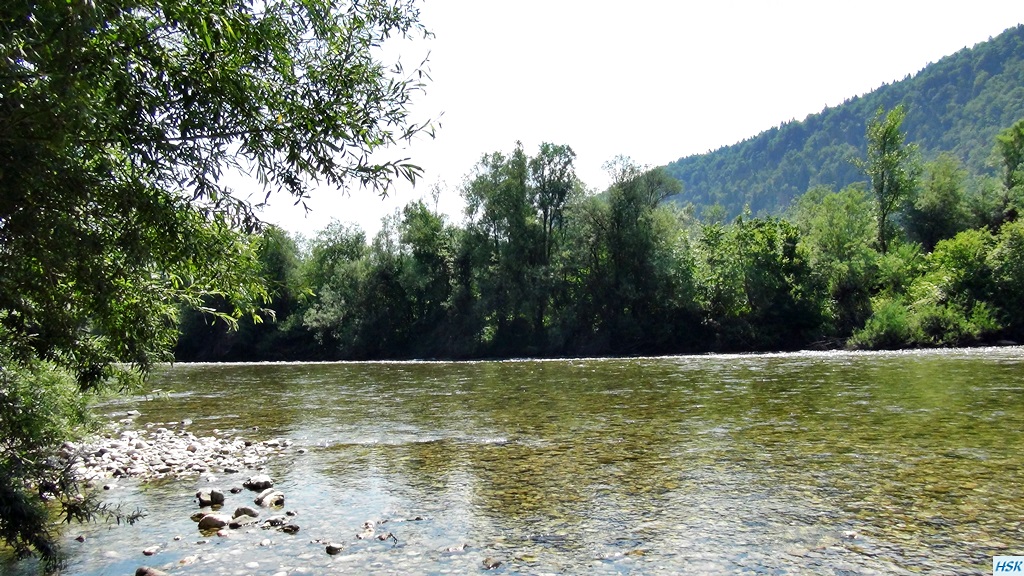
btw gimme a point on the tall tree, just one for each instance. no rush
(117, 123)
(1010, 146)
(515, 204)
(939, 210)
(633, 243)
(892, 166)
(553, 179)
(838, 229)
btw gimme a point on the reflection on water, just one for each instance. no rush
(763, 464)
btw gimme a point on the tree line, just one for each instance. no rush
(919, 254)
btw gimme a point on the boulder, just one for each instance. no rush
(240, 521)
(258, 483)
(270, 497)
(147, 571)
(210, 497)
(278, 520)
(214, 521)
(245, 511)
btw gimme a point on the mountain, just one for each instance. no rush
(956, 105)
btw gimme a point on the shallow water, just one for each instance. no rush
(835, 463)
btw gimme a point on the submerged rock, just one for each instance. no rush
(147, 571)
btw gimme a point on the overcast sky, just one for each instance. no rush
(652, 80)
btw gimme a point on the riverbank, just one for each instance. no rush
(166, 450)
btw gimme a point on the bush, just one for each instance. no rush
(41, 407)
(888, 328)
(950, 325)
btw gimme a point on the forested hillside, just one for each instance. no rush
(955, 105)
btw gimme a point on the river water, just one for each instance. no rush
(810, 463)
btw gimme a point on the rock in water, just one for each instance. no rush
(245, 511)
(147, 571)
(258, 483)
(214, 521)
(210, 497)
(270, 497)
(240, 521)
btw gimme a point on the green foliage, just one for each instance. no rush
(515, 205)
(118, 123)
(889, 326)
(943, 299)
(336, 273)
(898, 268)
(1010, 146)
(758, 289)
(891, 167)
(622, 272)
(956, 105)
(210, 332)
(42, 408)
(1006, 261)
(939, 210)
(838, 231)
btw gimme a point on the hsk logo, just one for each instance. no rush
(1008, 565)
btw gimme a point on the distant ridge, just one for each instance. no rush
(956, 105)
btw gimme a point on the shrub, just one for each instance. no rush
(889, 327)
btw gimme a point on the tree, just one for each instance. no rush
(335, 272)
(1010, 146)
(837, 229)
(891, 165)
(553, 179)
(118, 122)
(503, 239)
(939, 210)
(515, 205)
(631, 294)
(429, 277)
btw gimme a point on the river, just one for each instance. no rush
(810, 463)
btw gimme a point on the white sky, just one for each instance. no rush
(653, 80)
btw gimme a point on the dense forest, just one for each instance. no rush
(954, 106)
(923, 254)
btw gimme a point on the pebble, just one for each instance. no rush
(159, 452)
